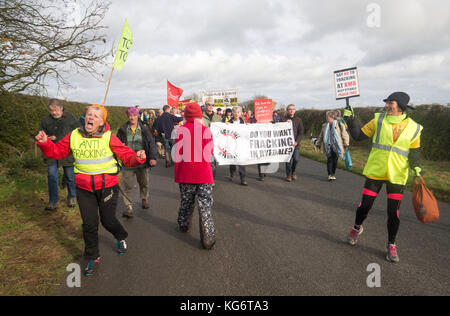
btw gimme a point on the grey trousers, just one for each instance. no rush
(128, 181)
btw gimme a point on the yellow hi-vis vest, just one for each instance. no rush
(389, 159)
(93, 155)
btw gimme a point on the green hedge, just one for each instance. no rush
(21, 116)
(435, 119)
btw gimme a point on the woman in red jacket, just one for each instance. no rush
(95, 150)
(192, 155)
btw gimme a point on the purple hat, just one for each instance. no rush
(132, 111)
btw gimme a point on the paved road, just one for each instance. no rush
(273, 238)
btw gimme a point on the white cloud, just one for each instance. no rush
(285, 49)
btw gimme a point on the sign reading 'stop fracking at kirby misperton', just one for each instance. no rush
(346, 83)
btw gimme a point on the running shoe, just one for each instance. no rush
(352, 238)
(392, 254)
(122, 247)
(91, 266)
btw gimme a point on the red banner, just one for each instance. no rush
(173, 95)
(183, 103)
(263, 111)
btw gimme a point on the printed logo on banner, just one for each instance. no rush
(228, 144)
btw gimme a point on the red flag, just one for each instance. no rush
(184, 103)
(173, 95)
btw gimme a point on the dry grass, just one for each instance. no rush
(36, 245)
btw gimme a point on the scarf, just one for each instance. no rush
(332, 141)
(395, 119)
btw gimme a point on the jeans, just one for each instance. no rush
(292, 165)
(53, 175)
(168, 144)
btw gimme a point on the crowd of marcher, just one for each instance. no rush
(92, 158)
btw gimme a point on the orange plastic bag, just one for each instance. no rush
(425, 204)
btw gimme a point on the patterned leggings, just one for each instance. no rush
(203, 192)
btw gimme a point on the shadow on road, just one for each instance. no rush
(169, 227)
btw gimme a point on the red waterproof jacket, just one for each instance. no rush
(194, 147)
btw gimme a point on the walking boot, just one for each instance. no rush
(145, 204)
(51, 206)
(72, 202)
(128, 212)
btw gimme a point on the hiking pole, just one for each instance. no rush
(123, 193)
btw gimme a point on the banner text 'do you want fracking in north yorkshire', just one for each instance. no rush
(242, 144)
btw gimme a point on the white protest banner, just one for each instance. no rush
(346, 83)
(221, 98)
(242, 144)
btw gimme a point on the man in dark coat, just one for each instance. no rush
(297, 125)
(57, 125)
(164, 125)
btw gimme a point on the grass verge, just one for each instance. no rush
(437, 173)
(36, 245)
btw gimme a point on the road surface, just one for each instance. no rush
(273, 238)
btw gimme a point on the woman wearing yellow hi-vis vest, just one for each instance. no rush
(96, 151)
(395, 149)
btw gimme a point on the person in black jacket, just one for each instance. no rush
(57, 125)
(138, 137)
(164, 125)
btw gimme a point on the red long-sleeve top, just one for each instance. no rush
(62, 149)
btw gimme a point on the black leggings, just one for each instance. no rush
(394, 199)
(332, 163)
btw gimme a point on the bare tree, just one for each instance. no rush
(250, 104)
(40, 41)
